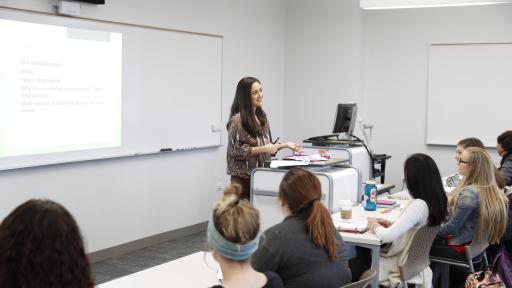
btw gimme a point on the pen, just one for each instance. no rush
(275, 141)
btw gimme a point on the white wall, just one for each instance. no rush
(323, 63)
(120, 200)
(395, 81)
(314, 49)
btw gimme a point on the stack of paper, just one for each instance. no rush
(314, 157)
(288, 163)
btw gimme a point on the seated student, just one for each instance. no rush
(305, 249)
(455, 179)
(233, 233)
(504, 147)
(476, 205)
(427, 207)
(41, 246)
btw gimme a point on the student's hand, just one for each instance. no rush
(384, 223)
(451, 201)
(372, 223)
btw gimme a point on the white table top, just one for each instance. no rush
(194, 270)
(359, 214)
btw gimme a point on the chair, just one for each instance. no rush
(365, 280)
(475, 252)
(418, 254)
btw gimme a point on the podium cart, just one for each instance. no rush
(340, 182)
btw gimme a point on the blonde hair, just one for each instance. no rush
(493, 202)
(236, 220)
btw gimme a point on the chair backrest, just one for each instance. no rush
(365, 279)
(418, 254)
(477, 246)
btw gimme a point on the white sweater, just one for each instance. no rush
(415, 215)
(399, 235)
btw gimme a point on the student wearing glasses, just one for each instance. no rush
(455, 179)
(477, 207)
(504, 147)
(249, 139)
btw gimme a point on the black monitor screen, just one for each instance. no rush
(345, 119)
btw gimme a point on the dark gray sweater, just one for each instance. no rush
(287, 249)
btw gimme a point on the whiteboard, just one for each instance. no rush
(469, 92)
(171, 90)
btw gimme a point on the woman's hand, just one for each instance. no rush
(373, 223)
(292, 146)
(451, 202)
(271, 148)
(384, 223)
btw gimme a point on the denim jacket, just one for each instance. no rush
(462, 222)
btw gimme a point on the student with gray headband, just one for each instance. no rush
(233, 234)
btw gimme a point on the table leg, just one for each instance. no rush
(375, 264)
(375, 260)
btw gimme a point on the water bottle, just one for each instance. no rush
(370, 195)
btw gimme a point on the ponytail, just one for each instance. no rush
(321, 230)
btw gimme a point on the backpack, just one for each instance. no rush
(502, 261)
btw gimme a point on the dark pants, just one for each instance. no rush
(444, 275)
(246, 186)
(441, 249)
(360, 263)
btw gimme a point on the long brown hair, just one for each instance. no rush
(41, 246)
(493, 202)
(301, 190)
(242, 104)
(236, 220)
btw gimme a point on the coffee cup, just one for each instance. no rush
(346, 209)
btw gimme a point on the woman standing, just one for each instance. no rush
(249, 138)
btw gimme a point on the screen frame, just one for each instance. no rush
(338, 118)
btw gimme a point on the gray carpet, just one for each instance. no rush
(148, 257)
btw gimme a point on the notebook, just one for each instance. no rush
(352, 226)
(387, 203)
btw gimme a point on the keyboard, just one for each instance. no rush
(324, 137)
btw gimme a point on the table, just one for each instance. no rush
(195, 270)
(369, 239)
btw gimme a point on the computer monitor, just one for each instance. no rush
(345, 119)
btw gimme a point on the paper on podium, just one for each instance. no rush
(314, 157)
(288, 163)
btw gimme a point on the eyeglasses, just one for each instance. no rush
(462, 161)
(255, 92)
